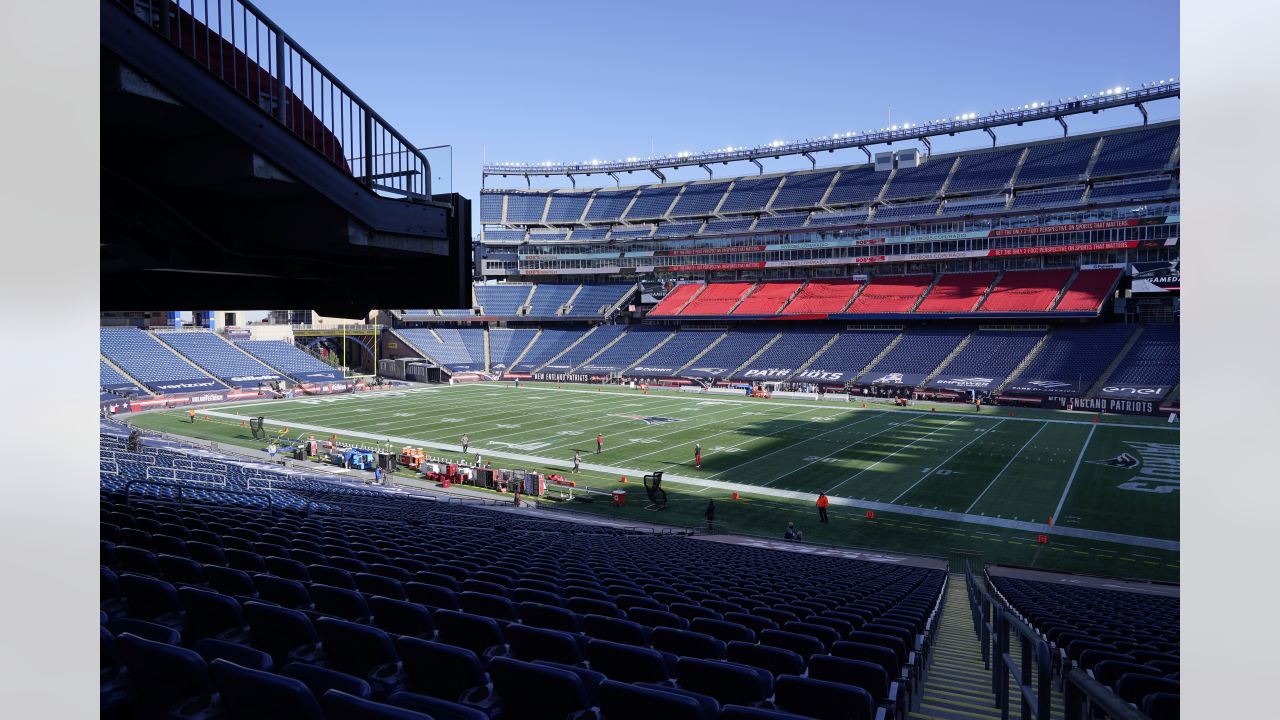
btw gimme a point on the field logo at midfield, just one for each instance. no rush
(648, 419)
(1158, 467)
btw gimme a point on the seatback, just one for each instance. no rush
(627, 663)
(622, 701)
(257, 695)
(822, 699)
(439, 670)
(536, 692)
(729, 683)
(164, 675)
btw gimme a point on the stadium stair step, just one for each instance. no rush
(691, 298)
(522, 310)
(141, 385)
(744, 296)
(887, 349)
(1013, 179)
(933, 283)
(1093, 159)
(756, 354)
(885, 188)
(520, 357)
(990, 288)
(706, 350)
(947, 360)
(567, 307)
(651, 351)
(958, 685)
(826, 195)
(805, 365)
(1063, 292)
(854, 299)
(415, 348)
(774, 196)
(955, 165)
(1025, 363)
(793, 296)
(1115, 363)
(723, 198)
(601, 351)
(185, 359)
(571, 346)
(621, 301)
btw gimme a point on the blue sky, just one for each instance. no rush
(572, 81)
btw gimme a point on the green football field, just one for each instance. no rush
(942, 480)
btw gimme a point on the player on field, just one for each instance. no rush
(599, 443)
(465, 440)
(697, 455)
(577, 460)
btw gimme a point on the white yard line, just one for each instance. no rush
(749, 461)
(895, 452)
(944, 462)
(723, 432)
(1006, 467)
(855, 443)
(1074, 470)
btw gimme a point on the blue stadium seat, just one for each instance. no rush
(439, 670)
(560, 692)
(823, 700)
(687, 643)
(401, 617)
(530, 643)
(727, 682)
(342, 706)
(249, 694)
(473, 632)
(435, 707)
(213, 649)
(164, 676)
(627, 663)
(284, 634)
(622, 701)
(322, 679)
(778, 661)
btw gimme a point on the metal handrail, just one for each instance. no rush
(1084, 697)
(239, 44)
(994, 623)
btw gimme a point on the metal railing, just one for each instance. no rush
(994, 624)
(182, 487)
(1084, 697)
(236, 42)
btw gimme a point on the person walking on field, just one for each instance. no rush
(710, 513)
(697, 455)
(191, 416)
(822, 506)
(577, 460)
(599, 443)
(465, 440)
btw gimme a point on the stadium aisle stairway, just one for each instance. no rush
(957, 686)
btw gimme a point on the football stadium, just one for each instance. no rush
(880, 424)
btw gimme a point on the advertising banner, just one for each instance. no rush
(716, 266)
(833, 377)
(648, 371)
(1116, 405)
(1156, 277)
(713, 250)
(1130, 392)
(320, 376)
(1045, 386)
(966, 382)
(247, 381)
(705, 372)
(766, 373)
(191, 385)
(893, 378)
(1066, 227)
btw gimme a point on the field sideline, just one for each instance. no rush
(1004, 472)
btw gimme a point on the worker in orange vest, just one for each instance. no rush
(822, 506)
